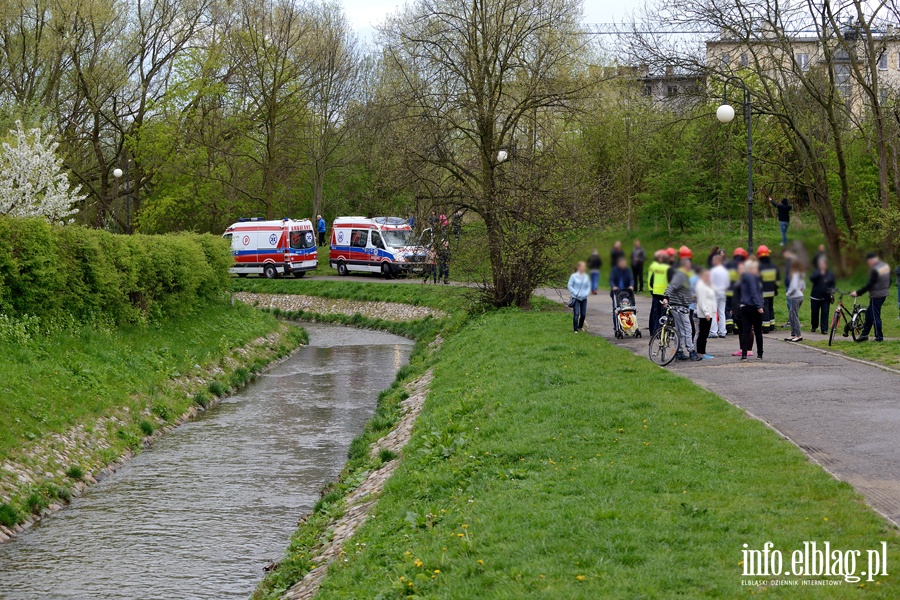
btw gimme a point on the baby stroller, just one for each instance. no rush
(625, 315)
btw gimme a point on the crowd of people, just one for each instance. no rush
(729, 296)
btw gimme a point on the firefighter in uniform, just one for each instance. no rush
(658, 280)
(768, 272)
(739, 256)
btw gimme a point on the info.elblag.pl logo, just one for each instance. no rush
(816, 560)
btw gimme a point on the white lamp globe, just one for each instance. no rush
(725, 113)
(117, 173)
(502, 156)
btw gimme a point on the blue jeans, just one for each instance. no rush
(873, 317)
(578, 313)
(595, 280)
(784, 227)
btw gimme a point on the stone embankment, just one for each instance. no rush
(389, 311)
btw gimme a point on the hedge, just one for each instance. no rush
(49, 271)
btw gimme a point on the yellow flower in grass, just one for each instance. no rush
(480, 562)
(417, 562)
(579, 577)
(437, 571)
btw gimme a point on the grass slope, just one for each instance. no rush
(418, 294)
(558, 466)
(49, 383)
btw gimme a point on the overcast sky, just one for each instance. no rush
(365, 14)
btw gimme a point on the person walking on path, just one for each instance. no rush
(720, 282)
(579, 287)
(795, 298)
(594, 262)
(706, 311)
(620, 278)
(659, 279)
(878, 287)
(768, 273)
(443, 270)
(638, 258)
(678, 296)
(751, 304)
(615, 253)
(784, 217)
(320, 226)
(823, 283)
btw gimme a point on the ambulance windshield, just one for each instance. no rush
(397, 238)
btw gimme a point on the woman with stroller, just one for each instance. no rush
(580, 288)
(751, 309)
(620, 278)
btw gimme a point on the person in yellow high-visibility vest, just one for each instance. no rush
(768, 272)
(658, 280)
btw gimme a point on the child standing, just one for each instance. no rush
(795, 297)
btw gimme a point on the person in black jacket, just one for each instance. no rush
(594, 262)
(820, 296)
(784, 217)
(751, 309)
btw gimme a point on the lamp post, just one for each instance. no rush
(725, 114)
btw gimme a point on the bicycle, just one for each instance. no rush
(664, 343)
(855, 319)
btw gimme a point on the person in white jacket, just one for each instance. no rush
(721, 281)
(706, 311)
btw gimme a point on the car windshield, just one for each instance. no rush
(397, 238)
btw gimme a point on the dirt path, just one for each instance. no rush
(844, 414)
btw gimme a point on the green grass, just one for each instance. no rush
(49, 383)
(886, 353)
(549, 465)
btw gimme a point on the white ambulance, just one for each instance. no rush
(272, 248)
(383, 245)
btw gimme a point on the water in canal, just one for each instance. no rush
(201, 512)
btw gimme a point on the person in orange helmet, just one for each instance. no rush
(768, 272)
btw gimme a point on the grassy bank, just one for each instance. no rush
(115, 387)
(551, 465)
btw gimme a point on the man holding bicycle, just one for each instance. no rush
(877, 287)
(678, 296)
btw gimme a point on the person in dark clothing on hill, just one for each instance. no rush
(823, 283)
(615, 253)
(443, 257)
(620, 278)
(878, 287)
(594, 262)
(638, 258)
(784, 217)
(751, 303)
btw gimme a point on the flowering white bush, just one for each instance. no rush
(33, 182)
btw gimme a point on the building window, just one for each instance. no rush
(803, 61)
(842, 79)
(672, 90)
(882, 61)
(648, 89)
(745, 61)
(726, 61)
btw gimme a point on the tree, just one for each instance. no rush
(33, 182)
(485, 81)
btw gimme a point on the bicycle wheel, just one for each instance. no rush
(663, 346)
(857, 322)
(834, 325)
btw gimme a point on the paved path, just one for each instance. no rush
(844, 414)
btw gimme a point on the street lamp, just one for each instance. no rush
(117, 173)
(725, 114)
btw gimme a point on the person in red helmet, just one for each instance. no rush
(685, 252)
(768, 272)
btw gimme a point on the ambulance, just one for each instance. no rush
(272, 248)
(383, 245)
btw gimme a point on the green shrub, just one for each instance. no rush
(9, 516)
(75, 472)
(217, 388)
(95, 276)
(202, 398)
(146, 427)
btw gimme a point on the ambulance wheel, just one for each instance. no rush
(270, 272)
(299, 274)
(342, 269)
(386, 270)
